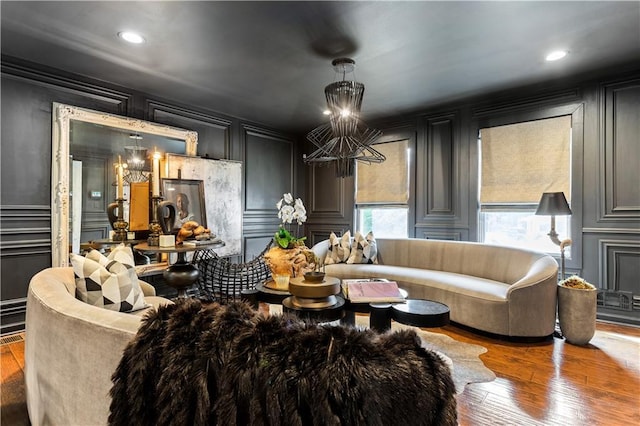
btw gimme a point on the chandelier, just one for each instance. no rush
(345, 139)
(137, 162)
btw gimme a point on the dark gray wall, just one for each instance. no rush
(271, 165)
(605, 198)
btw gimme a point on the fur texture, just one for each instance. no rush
(198, 364)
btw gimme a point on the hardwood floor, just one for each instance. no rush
(549, 383)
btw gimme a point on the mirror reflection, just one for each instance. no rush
(94, 152)
(87, 147)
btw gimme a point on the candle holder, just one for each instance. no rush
(117, 220)
(155, 229)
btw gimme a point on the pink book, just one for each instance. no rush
(373, 291)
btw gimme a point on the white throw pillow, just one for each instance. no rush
(339, 248)
(108, 282)
(363, 249)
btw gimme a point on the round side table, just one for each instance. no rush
(328, 314)
(182, 274)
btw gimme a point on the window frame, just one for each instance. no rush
(394, 134)
(576, 111)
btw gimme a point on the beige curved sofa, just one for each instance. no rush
(72, 349)
(500, 290)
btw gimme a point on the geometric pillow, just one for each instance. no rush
(363, 249)
(108, 282)
(339, 248)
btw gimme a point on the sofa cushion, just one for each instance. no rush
(339, 249)
(363, 249)
(108, 282)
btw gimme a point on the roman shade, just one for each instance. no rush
(521, 161)
(387, 182)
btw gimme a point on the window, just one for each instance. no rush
(518, 163)
(382, 192)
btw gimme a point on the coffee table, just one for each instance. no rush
(325, 314)
(351, 308)
(421, 313)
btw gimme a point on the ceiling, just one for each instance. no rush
(268, 62)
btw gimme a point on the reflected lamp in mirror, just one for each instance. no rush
(555, 204)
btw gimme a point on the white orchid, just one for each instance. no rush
(289, 210)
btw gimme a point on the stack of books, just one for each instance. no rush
(372, 291)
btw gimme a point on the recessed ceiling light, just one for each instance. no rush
(326, 112)
(131, 37)
(555, 55)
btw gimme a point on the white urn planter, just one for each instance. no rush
(577, 310)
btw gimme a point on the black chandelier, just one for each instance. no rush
(345, 139)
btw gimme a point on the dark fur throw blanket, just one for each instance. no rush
(204, 364)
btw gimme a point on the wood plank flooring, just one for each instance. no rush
(548, 383)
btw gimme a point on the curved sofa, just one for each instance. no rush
(72, 349)
(501, 290)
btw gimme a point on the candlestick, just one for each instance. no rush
(156, 174)
(120, 179)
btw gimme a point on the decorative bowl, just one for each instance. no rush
(314, 277)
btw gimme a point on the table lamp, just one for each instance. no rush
(555, 204)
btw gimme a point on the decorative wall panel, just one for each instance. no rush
(222, 195)
(620, 151)
(440, 157)
(268, 171)
(214, 133)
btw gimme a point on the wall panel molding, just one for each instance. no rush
(214, 133)
(121, 102)
(269, 170)
(529, 103)
(619, 262)
(12, 313)
(611, 230)
(619, 151)
(437, 169)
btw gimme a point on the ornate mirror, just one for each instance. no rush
(85, 146)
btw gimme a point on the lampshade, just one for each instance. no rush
(553, 204)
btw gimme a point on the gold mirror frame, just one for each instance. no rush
(62, 116)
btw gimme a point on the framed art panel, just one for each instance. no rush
(188, 196)
(223, 195)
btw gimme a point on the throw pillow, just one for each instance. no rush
(108, 282)
(363, 249)
(339, 248)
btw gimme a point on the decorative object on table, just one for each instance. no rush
(314, 276)
(157, 210)
(108, 282)
(555, 204)
(315, 371)
(192, 230)
(117, 219)
(345, 139)
(313, 295)
(372, 291)
(289, 257)
(577, 310)
(188, 197)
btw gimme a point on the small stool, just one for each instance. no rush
(380, 317)
(421, 313)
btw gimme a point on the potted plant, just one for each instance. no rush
(577, 310)
(288, 258)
